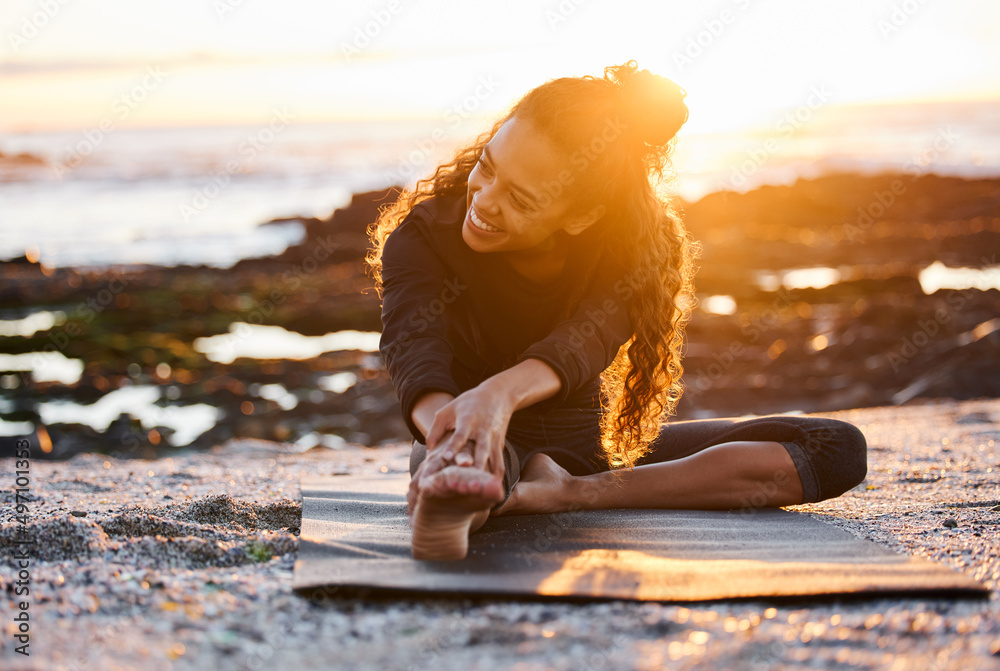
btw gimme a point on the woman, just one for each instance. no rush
(535, 292)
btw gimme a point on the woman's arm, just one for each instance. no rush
(518, 387)
(425, 408)
(585, 344)
(487, 407)
(525, 383)
(413, 344)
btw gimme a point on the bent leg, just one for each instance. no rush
(830, 455)
(712, 464)
(731, 475)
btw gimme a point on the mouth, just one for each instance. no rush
(480, 225)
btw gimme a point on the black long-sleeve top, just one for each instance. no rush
(453, 317)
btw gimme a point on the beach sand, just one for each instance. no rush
(186, 563)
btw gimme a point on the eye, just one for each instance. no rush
(485, 169)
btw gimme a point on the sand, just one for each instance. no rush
(186, 563)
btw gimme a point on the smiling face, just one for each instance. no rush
(519, 194)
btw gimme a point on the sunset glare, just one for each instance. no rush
(227, 61)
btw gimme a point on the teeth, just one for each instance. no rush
(480, 224)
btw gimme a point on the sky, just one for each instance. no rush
(68, 64)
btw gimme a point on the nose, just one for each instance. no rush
(485, 200)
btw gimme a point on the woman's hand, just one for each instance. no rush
(479, 415)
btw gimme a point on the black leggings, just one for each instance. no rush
(829, 454)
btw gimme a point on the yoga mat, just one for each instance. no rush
(356, 541)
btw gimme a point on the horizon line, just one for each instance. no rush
(364, 118)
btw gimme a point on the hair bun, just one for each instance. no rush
(652, 106)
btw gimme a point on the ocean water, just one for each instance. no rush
(198, 195)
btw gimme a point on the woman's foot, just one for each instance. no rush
(544, 487)
(450, 504)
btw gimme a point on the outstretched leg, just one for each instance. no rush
(719, 463)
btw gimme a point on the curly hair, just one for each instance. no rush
(642, 231)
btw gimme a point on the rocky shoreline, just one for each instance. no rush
(872, 338)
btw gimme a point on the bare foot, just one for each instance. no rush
(543, 488)
(449, 505)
